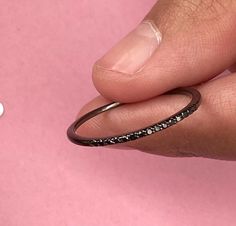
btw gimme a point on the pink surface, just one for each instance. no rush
(47, 49)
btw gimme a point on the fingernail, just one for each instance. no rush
(133, 51)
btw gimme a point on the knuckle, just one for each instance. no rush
(225, 102)
(175, 15)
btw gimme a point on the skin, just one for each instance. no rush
(198, 44)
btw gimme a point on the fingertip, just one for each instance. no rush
(114, 85)
(125, 88)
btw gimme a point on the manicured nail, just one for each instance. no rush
(133, 51)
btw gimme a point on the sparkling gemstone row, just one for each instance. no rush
(146, 131)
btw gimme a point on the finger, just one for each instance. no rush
(179, 43)
(209, 132)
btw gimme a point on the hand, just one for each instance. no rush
(179, 43)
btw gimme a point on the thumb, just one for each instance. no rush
(179, 43)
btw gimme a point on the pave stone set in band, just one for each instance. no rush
(144, 132)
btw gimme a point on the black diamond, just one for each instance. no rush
(178, 118)
(143, 132)
(96, 142)
(106, 141)
(137, 134)
(123, 139)
(112, 140)
(164, 125)
(157, 128)
(185, 114)
(93, 142)
(172, 121)
(132, 136)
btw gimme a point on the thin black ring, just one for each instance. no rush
(161, 125)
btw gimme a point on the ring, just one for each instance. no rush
(149, 130)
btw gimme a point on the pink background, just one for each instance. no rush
(47, 49)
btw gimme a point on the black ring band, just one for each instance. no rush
(172, 120)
